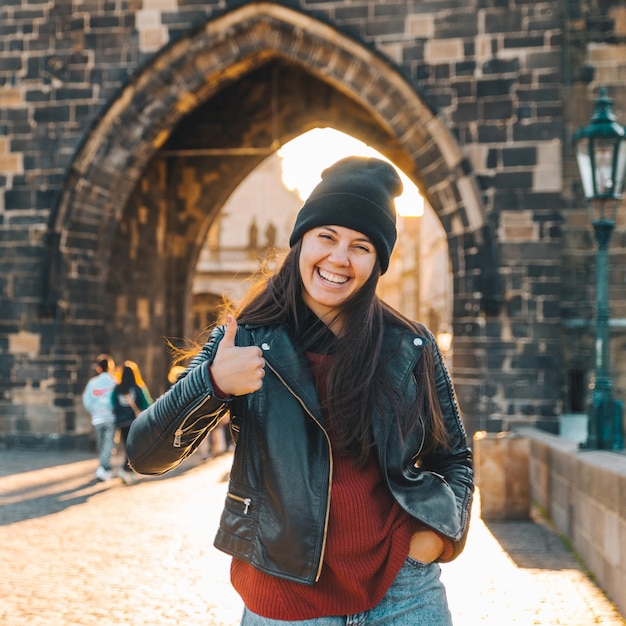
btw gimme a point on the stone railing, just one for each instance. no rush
(584, 494)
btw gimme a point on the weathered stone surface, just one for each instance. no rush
(475, 102)
(502, 475)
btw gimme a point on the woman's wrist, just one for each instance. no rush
(217, 392)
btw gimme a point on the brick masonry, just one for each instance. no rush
(103, 208)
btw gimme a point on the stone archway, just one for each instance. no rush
(121, 161)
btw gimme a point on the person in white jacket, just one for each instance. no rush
(97, 399)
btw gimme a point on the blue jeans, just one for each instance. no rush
(417, 597)
(105, 439)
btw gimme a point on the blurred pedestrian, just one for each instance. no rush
(351, 477)
(141, 383)
(128, 401)
(97, 400)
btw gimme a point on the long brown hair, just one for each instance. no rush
(355, 393)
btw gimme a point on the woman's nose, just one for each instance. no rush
(340, 256)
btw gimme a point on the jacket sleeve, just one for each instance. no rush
(87, 398)
(173, 426)
(453, 463)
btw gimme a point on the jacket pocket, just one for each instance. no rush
(245, 502)
(241, 512)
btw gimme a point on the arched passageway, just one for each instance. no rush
(156, 169)
(258, 217)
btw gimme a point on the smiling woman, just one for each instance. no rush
(351, 477)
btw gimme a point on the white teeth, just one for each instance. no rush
(332, 278)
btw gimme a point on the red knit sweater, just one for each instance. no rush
(367, 543)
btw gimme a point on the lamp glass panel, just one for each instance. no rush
(620, 169)
(584, 166)
(603, 151)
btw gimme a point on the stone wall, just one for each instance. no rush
(475, 100)
(584, 493)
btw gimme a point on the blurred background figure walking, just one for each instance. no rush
(128, 401)
(97, 400)
(141, 383)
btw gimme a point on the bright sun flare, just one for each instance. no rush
(304, 158)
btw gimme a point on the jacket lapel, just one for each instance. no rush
(288, 363)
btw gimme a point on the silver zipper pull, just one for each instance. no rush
(247, 502)
(177, 435)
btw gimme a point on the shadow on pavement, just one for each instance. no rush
(18, 460)
(36, 483)
(532, 544)
(41, 505)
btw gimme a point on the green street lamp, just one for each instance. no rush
(601, 155)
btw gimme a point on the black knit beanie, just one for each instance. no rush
(356, 193)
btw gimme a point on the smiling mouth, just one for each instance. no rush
(329, 277)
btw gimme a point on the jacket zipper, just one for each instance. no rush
(180, 430)
(416, 455)
(330, 453)
(245, 501)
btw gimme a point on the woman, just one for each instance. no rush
(141, 383)
(128, 401)
(351, 477)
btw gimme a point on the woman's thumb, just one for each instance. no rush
(230, 332)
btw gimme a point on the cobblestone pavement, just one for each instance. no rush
(77, 552)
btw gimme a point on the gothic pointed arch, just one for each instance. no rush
(191, 71)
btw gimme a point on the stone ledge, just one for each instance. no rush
(581, 491)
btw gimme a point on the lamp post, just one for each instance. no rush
(601, 155)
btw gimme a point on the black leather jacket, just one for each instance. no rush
(276, 509)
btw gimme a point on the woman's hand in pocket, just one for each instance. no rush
(426, 546)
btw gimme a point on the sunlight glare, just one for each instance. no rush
(305, 157)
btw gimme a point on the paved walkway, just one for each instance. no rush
(76, 552)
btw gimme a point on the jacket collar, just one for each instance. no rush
(401, 351)
(288, 362)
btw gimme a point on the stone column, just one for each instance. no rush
(502, 475)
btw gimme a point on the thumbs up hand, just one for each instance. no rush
(237, 370)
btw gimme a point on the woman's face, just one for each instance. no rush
(334, 263)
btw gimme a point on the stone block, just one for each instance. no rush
(151, 39)
(147, 18)
(24, 342)
(420, 26)
(503, 475)
(446, 50)
(11, 163)
(11, 97)
(547, 179)
(612, 545)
